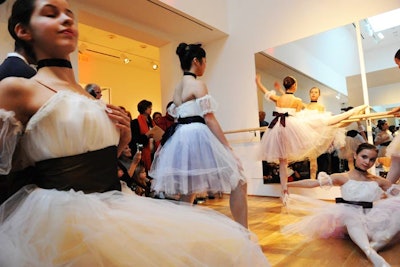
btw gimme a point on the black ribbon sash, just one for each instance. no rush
(386, 143)
(94, 171)
(171, 130)
(278, 116)
(364, 204)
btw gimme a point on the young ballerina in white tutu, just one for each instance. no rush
(76, 214)
(368, 210)
(197, 158)
(294, 135)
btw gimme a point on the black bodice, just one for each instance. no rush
(94, 171)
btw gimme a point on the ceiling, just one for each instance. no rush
(140, 28)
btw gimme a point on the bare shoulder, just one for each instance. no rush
(339, 178)
(200, 89)
(12, 89)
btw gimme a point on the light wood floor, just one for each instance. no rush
(267, 216)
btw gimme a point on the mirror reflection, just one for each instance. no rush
(331, 62)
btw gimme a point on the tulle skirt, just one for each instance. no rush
(321, 219)
(305, 135)
(193, 161)
(58, 228)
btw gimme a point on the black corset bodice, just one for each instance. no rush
(94, 171)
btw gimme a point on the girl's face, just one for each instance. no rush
(314, 94)
(142, 175)
(200, 67)
(52, 29)
(365, 159)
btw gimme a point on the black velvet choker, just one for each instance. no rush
(190, 73)
(54, 62)
(314, 101)
(358, 169)
(289, 93)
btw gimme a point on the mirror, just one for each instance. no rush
(330, 61)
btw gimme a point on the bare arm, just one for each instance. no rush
(135, 162)
(323, 180)
(215, 128)
(263, 89)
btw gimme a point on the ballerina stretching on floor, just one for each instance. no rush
(293, 135)
(364, 212)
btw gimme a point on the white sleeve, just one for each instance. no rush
(207, 104)
(269, 94)
(10, 130)
(172, 110)
(325, 180)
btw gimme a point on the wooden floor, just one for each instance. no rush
(267, 216)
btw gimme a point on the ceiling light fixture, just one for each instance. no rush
(125, 59)
(385, 21)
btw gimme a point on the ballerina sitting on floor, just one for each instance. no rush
(366, 211)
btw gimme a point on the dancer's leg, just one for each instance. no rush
(313, 168)
(358, 234)
(238, 204)
(283, 176)
(394, 171)
(345, 115)
(188, 198)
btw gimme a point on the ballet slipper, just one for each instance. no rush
(375, 258)
(284, 197)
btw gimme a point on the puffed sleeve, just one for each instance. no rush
(10, 131)
(207, 104)
(325, 181)
(268, 95)
(172, 110)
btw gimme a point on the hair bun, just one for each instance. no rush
(182, 47)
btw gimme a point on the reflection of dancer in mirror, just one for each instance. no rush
(292, 135)
(197, 158)
(314, 93)
(364, 211)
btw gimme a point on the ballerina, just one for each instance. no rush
(293, 135)
(364, 212)
(76, 213)
(197, 158)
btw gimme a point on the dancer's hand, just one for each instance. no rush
(238, 161)
(122, 122)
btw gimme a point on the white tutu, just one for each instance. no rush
(306, 134)
(57, 228)
(194, 160)
(321, 219)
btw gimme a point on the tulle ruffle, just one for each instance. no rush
(193, 160)
(322, 219)
(10, 130)
(57, 228)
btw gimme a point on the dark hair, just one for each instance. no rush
(156, 113)
(381, 123)
(187, 52)
(397, 55)
(367, 146)
(288, 82)
(143, 105)
(90, 88)
(21, 13)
